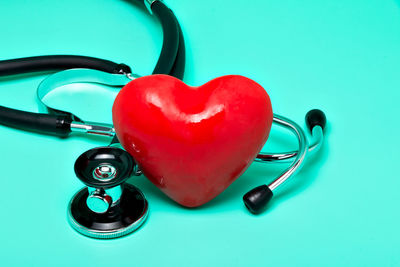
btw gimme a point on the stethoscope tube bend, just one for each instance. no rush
(257, 198)
(55, 122)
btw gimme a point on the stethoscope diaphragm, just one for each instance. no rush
(121, 219)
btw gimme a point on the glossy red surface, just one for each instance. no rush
(192, 142)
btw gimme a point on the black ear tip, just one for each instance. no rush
(315, 117)
(256, 199)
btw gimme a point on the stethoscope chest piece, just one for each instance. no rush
(119, 220)
(108, 207)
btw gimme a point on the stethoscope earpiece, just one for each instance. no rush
(257, 199)
(108, 207)
(315, 117)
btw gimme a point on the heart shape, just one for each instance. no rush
(192, 142)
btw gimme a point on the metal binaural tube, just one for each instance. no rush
(300, 156)
(93, 128)
(285, 157)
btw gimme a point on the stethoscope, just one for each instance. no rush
(108, 207)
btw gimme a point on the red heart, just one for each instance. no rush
(192, 142)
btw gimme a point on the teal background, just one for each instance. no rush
(341, 56)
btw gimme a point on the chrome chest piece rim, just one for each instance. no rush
(130, 216)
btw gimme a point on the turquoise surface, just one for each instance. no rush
(341, 56)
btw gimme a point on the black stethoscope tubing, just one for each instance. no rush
(171, 61)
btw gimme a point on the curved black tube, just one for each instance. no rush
(38, 122)
(170, 45)
(58, 62)
(53, 124)
(171, 61)
(178, 69)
